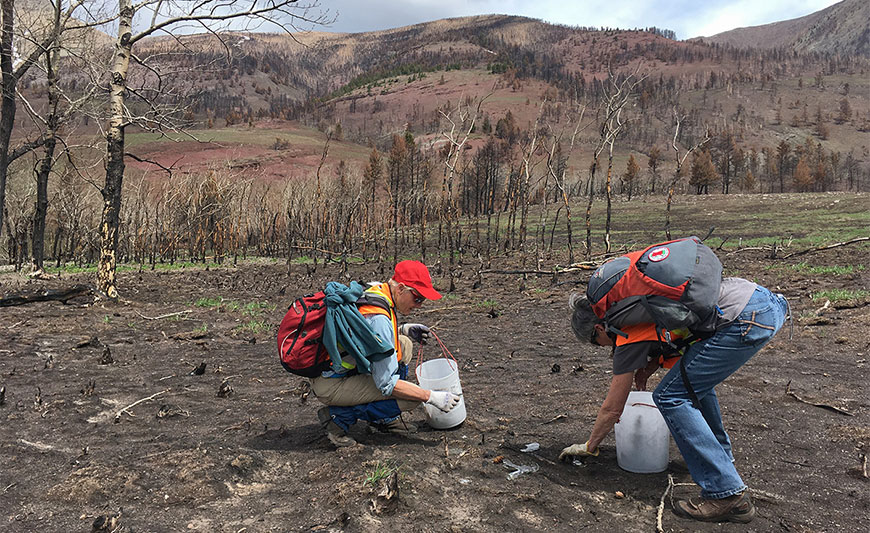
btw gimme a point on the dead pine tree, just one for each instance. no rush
(136, 22)
(558, 173)
(319, 222)
(612, 126)
(461, 123)
(528, 165)
(680, 161)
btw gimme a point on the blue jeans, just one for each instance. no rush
(699, 433)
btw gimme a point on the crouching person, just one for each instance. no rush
(376, 389)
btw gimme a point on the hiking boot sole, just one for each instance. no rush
(739, 517)
(335, 434)
(340, 441)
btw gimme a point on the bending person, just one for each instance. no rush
(750, 316)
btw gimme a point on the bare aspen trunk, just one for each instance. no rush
(41, 207)
(7, 98)
(590, 191)
(42, 173)
(568, 227)
(608, 193)
(110, 222)
(668, 208)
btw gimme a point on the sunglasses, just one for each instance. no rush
(593, 337)
(418, 298)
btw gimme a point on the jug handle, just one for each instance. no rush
(444, 351)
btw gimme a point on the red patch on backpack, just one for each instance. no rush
(659, 254)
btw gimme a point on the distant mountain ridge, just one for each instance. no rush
(843, 28)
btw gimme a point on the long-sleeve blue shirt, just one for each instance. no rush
(384, 370)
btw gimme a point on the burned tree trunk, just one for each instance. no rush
(7, 98)
(110, 222)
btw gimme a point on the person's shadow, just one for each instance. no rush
(309, 436)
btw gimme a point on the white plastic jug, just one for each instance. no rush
(442, 374)
(642, 437)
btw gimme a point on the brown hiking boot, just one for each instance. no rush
(396, 427)
(737, 508)
(335, 434)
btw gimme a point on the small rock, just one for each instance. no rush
(619, 495)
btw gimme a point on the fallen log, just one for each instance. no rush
(59, 295)
(820, 248)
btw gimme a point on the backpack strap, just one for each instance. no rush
(696, 403)
(369, 298)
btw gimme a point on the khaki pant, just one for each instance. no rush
(359, 389)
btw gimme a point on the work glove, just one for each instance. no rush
(443, 400)
(417, 332)
(577, 450)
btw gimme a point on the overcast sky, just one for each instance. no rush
(688, 18)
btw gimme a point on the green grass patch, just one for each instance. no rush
(379, 472)
(208, 302)
(840, 295)
(255, 309)
(254, 326)
(134, 267)
(489, 303)
(835, 270)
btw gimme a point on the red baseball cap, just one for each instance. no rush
(414, 274)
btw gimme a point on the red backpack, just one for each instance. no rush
(300, 335)
(673, 285)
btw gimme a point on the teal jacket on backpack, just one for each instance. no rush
(346, 326)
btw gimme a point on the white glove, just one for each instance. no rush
(443, 400)
(577, 450)
(418, 333)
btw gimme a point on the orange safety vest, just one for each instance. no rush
(383, 291)
(647, 332)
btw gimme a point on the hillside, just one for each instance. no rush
(843, 28)
(369, 86)
(268, 107)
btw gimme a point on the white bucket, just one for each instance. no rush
(442, 374)
(642, 437)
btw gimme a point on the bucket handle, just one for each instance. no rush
(644, 404)
(444, 351)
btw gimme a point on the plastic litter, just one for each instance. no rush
(464, 481)
(519, 469)
(531, 447)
